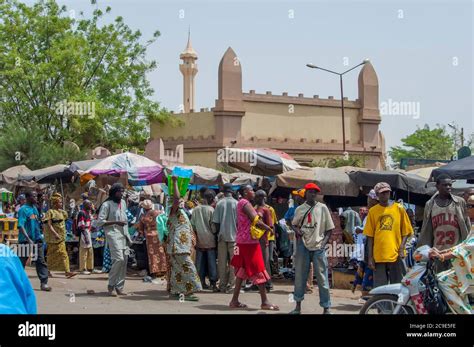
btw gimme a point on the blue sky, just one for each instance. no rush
(422, 51)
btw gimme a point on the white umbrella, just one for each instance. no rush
(139, 169)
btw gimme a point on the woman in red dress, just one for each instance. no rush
(248, 259)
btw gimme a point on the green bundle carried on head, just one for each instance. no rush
(184, 177)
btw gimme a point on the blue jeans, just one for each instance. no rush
(206, 263)
(364, 276)
(303, 257)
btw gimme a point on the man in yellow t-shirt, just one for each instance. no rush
(387, 229)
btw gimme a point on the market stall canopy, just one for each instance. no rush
(424, 172)
(457, 169)
(245, 178)
(258, 161)
(140, 170)
(331, 181)
(351, 168)
(82, 165)
(11, 175)
(203, 175)
(14, 171)
(397, 180)
(48, 174)
(152, 189)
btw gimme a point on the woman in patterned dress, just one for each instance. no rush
(183, 278)
(457, 282)
(147, 227)
(55, 237)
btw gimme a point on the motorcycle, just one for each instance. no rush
(418, 292)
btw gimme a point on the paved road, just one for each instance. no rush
(70, 296)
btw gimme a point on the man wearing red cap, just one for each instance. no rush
(313, 225)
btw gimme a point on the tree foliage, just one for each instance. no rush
(28, 147)
(51, 57)
(353, 160)
(424, 143)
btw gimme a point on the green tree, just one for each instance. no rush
(48, 57)
(353, 160)
(28, 147)
(424, 143)
(460, 137)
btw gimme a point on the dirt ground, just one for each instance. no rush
(70, 296)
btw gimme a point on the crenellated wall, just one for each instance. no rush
(305, 127)
(286, 117)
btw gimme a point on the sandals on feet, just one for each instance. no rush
(270, 307)
(239, 305)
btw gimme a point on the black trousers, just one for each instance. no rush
(389, 272)
(41, 266)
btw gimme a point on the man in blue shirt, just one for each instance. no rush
(30, 236)
(16, 294)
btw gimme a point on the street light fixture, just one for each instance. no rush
(340, 74)
(454, 127)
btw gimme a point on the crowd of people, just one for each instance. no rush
(232, 241)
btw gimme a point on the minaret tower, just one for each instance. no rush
(189, 69)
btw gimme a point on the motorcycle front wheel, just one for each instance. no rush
(384, 304)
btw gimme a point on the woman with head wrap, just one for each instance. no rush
(55, 236)
(147, 227)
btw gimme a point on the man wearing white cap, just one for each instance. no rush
(387, 229)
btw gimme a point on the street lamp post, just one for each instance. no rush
(340, 74)
(454, 127)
